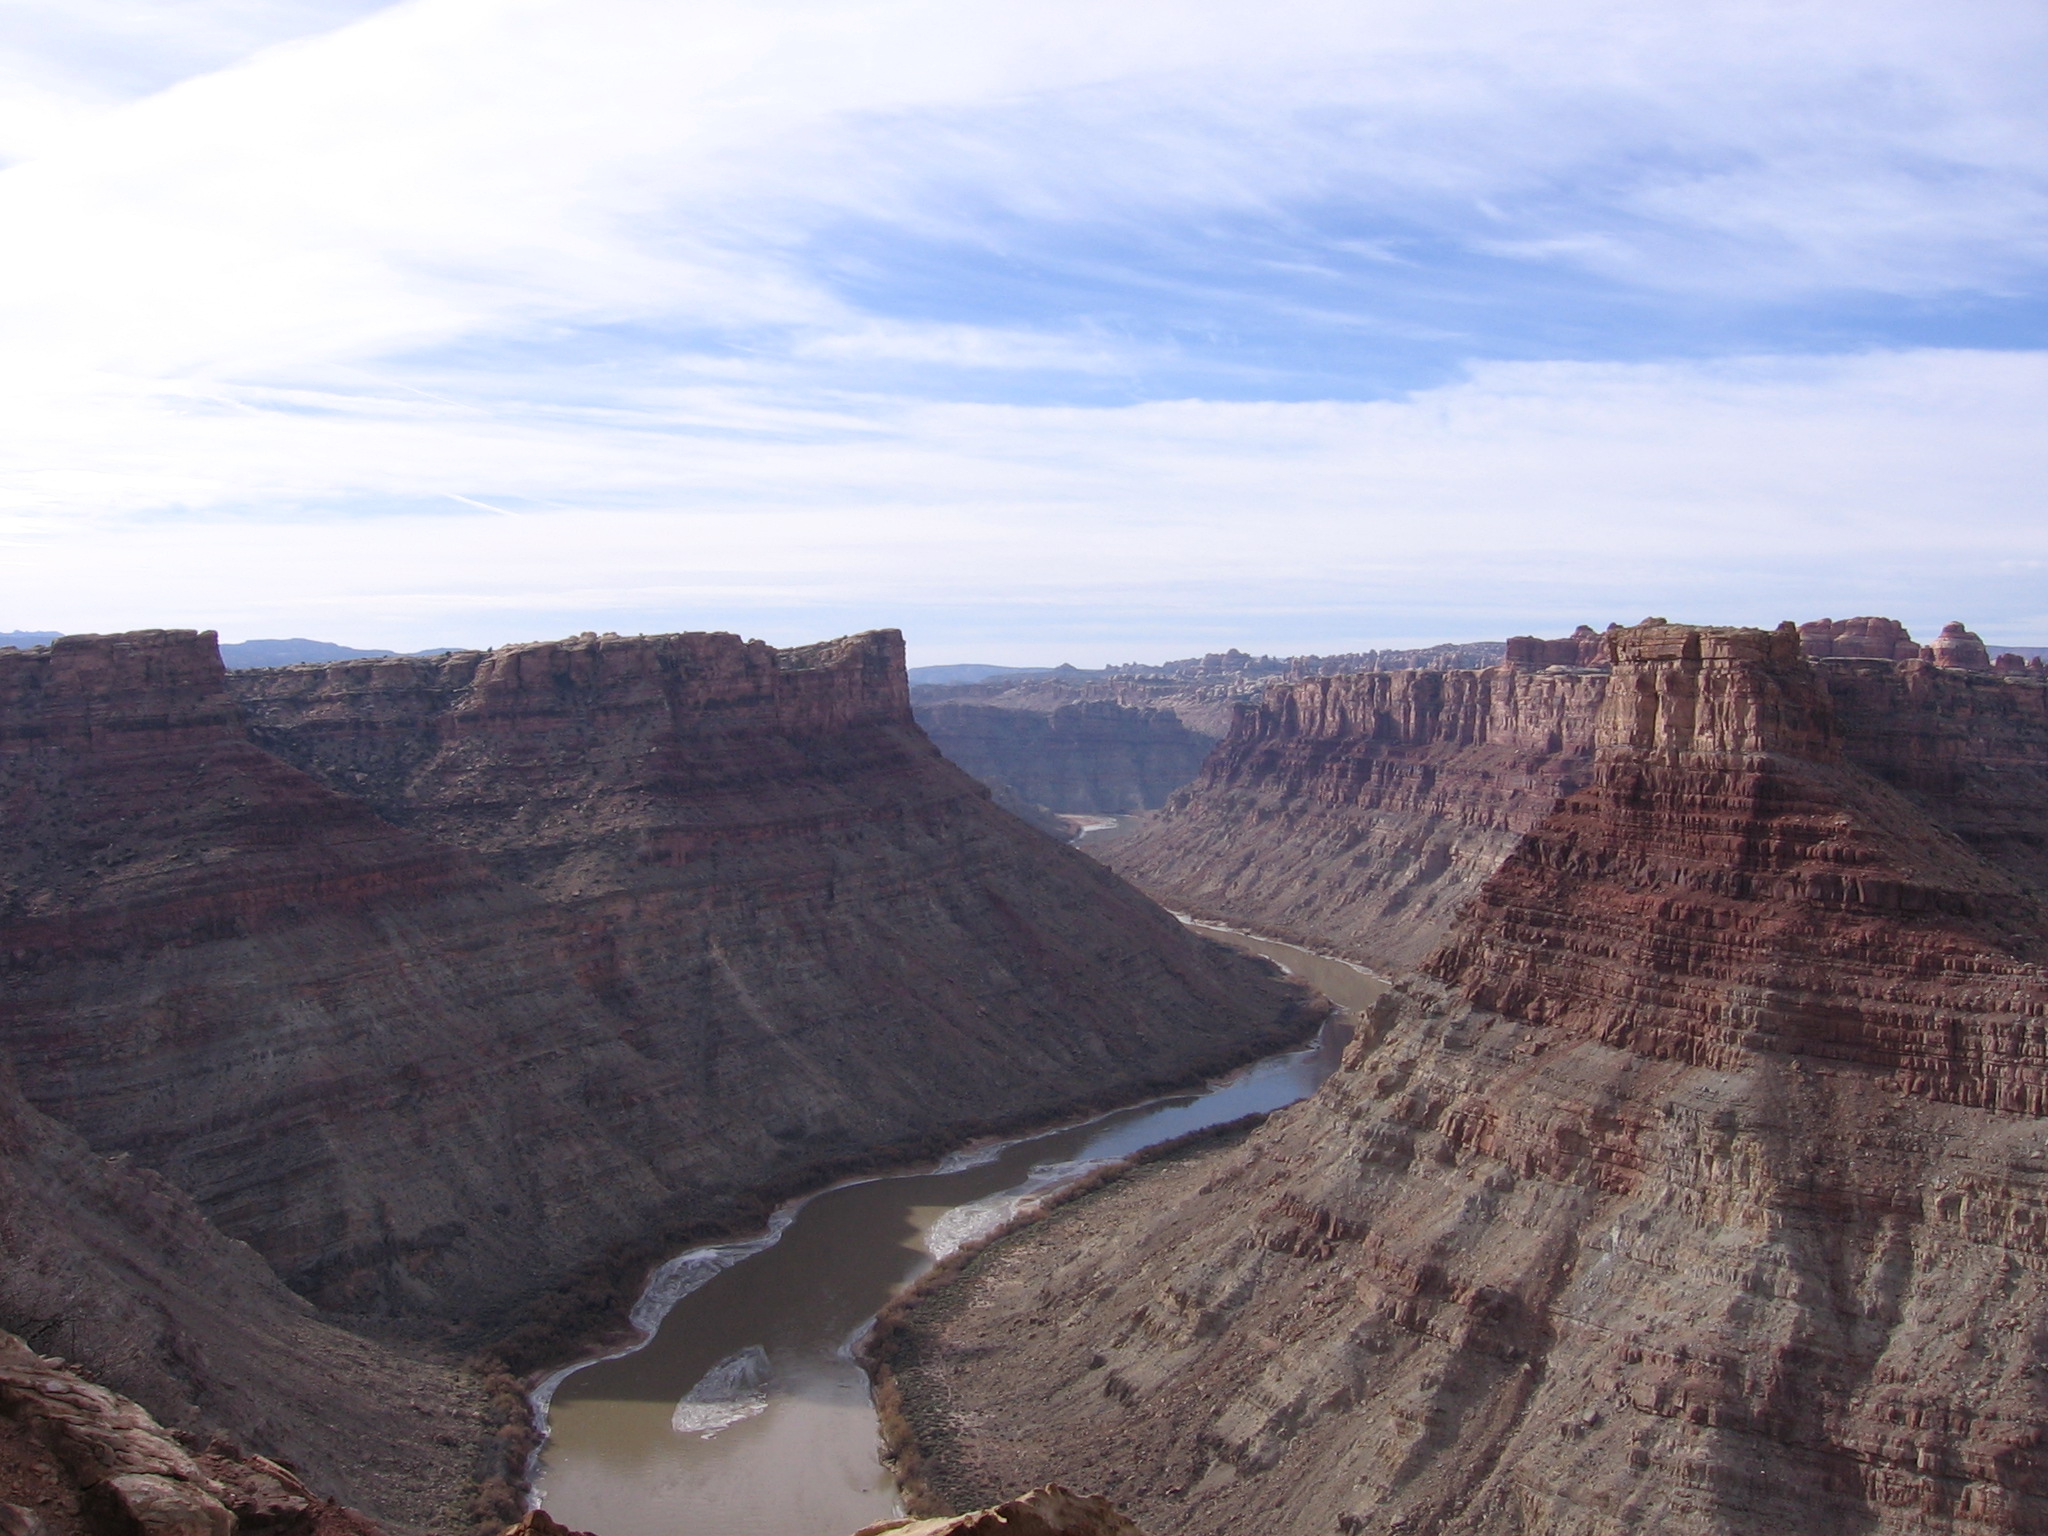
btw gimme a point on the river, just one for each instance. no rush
(744, 1411)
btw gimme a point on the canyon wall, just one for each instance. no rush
(1698, 1185)
(429, 979)
(1360, 813)
(114, 1268)
(1101, 757)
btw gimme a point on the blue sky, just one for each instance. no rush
(1050, 332)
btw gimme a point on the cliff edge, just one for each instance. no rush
(1698, 1186)
(439, 981)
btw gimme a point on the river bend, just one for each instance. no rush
(744, 1412)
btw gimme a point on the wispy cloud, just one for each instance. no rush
(844, 303)
(1749, 489)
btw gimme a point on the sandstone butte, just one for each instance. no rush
(358, 1016)
(1694, 1178)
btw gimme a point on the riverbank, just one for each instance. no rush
(754, 1370)
(917, 1441)
(588, 1315)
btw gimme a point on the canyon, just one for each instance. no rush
(361, 1015)
(1691, 1179)
(1122, 739)
(370, 1027)
(1097, 756)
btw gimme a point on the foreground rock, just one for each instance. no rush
(458, 987)
(1047, 1511)
(1699, 1186)
(115, 1269)
(77, 1458)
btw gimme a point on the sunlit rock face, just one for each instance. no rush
(1956, 646)
(1699, 1183)
(430, 977)
(1363, 811)
(1867, 637)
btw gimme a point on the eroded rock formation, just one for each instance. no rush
(433, 979)
(1880, 639)
(79, 1460)
(1699, 1186)
(1956, 646)
(1047, 1511)
(1362, 812)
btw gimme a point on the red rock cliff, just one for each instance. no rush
(523, 953)
(1728, 883)
(1702, 1190)
(1361, 812)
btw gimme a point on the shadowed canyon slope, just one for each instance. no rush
(429, 979)
(114, 1268)
(1699, 1185)
(1100, 757)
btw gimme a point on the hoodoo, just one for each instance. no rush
(1697, 1185)
(436, 981)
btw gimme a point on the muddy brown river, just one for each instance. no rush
(743, 1412)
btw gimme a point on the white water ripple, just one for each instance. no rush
(734, 1389)
(971, 1157)
(971, 1222)
(690, 1271)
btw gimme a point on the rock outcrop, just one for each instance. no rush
(430, 978)
(1956, 646)
(112, 1266)
(1100, 757)
(1047, 1511)
(1362, 812)
(79, 1460)
(1584, 647)
(1873, 638)
(1699, 1185)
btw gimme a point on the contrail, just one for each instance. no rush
(473, 502)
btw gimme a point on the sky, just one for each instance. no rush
(1061, 332)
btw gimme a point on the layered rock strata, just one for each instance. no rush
(112, 1267)
(1869, 637)
(1200, 691)
(1956, 646)
(1362, 812)
(428, 978)
(1700, 1185)
(1099, 757)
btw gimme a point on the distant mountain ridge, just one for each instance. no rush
(967, 672)
(243, 655)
